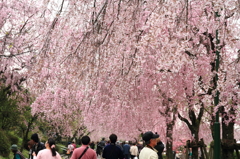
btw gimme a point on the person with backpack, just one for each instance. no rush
(16, 154)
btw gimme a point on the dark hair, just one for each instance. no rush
(51, 142)
(85, 140)
(113, 138)
(30, 144)
(35, 137)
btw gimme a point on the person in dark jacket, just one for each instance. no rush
(159, 147)
(37, 145)
(101, 146)
(112, 151)
(126, 150)
(92, 145)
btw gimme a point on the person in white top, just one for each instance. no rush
(148, 152)
(134, 151)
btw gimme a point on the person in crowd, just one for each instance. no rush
(133, 151)
(98, 149)
(148, 152)
(190, 153)
(101, 145)
(30, 146)
(140, 146)
(126, 150)
(159, 147)
(50, 151)
(119, 145)
(177, 156)
(70, 148)
(92, 145)
(74, 145)
(37, 145)
(107, 143)
(16, 154)
(84, 152)
(112, 151)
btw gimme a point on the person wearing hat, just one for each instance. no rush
(17, 154)
(148, 152)
(37, 145)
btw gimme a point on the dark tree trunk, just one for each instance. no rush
(194, 146)
(170, 114)
(194, 127)
(25, 133)
(227, 135)
(169, 153)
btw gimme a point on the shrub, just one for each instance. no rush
(5, 144)
(12, 138)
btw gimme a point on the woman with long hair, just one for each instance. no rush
(50, 151)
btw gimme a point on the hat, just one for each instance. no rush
(148, 136)
(14, 147)
(35, 138)
(126, 142)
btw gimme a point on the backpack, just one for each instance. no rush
(21, 155)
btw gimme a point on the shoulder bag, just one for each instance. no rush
(83, 153)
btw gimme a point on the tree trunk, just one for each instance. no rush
(195, 150)
(169, 153)
(194, 128)
(25, 133)
(227, 135)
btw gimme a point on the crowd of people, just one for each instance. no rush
(37, 149)
(111, 149)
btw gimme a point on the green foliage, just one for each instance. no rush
(12, 138)
(61, 149)
(9, 112)
(5, 144)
